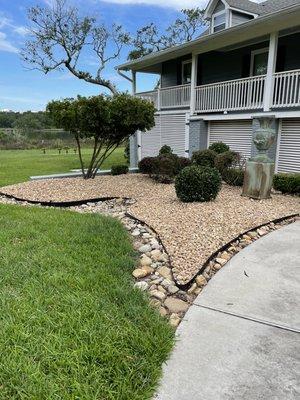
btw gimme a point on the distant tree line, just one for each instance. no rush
(25, 122)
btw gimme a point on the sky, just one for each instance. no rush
(23, 89)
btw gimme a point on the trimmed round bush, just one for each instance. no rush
(196, 183)
(165, 150)
(183, 162)
(166, 168)
(147, 165)
(287, 183)
(234, 176)
(219, 147)
(227, 160)
(204, 158)
(119, 169)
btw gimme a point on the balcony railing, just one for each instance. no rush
(239, 94)
(235, 95)
(176, 96)
(286, 89)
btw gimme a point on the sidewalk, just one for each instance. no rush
(241, 338)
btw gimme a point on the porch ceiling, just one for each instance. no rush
(254, 29)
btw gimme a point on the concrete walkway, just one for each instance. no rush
(241, 338)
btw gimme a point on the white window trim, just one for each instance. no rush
(213, 26)
(253, 54)
(182, 69)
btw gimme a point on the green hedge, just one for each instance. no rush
(219, 147)
(197, 184)
(287, 183)
(204, 158)
(119, 169)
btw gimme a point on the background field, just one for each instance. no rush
(18, 165)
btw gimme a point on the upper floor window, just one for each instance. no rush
(219, 21)
(186, 72)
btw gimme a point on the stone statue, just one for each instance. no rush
(259, 171)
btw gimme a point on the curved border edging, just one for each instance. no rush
(62, 204)
(184, 287)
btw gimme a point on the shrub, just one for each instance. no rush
(119, 169)
(204, 158)
(165, 150)
(127, 151)
(147, 165)
(219, 147)
(183, 162)
(227, 160)
(287, 183)
(234, 176)
(165, 168)
(196, 183)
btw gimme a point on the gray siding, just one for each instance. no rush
(239, 18)
(172, 71)
(272, 150)
(198, 136)
(219, 7)
(133, 151)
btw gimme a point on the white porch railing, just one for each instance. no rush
(286, 89)
(239, 94)
(150, 96)
(234, 95)
(175, 96)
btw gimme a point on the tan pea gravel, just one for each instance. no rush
(190, 232)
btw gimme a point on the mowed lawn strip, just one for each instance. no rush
(72, 325)
(18, 165)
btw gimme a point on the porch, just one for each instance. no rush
(233, 95)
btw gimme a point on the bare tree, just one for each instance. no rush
(60, 36)
(149, 38)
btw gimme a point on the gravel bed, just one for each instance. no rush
(189, 232)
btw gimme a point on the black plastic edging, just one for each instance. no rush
(62, 204)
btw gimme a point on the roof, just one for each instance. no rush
(281, 16)
(263, 8)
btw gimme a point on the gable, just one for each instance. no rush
(219, 7)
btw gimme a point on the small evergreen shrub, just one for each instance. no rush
(166, 168)
(183, 162)
(119, 169)
(204, 158)
(234, 176)
(127, 151)
(147, 165)
(196, 183)
(287, 183)
(226, 160)
(219, 147)
(165, 150)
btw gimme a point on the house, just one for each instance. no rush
(246, 65)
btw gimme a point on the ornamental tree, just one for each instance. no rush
(108, 120)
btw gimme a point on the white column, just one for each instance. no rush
(133, 83)
(194, 82)
(269, 84)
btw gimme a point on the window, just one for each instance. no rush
(259, 62)
(186, 72)
(219, 22)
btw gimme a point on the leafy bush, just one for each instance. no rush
(196, 183)
(204, 158)
(234, 176)
(287, 183)
(226, 160)
(183, 162)
(165, 150)
(165, 168)
(119, 169)
(147, 165)
(219, 147)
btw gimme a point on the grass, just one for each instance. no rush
(18, 165)
(72, 324)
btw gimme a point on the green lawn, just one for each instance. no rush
(18, 165)
(72, 325)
